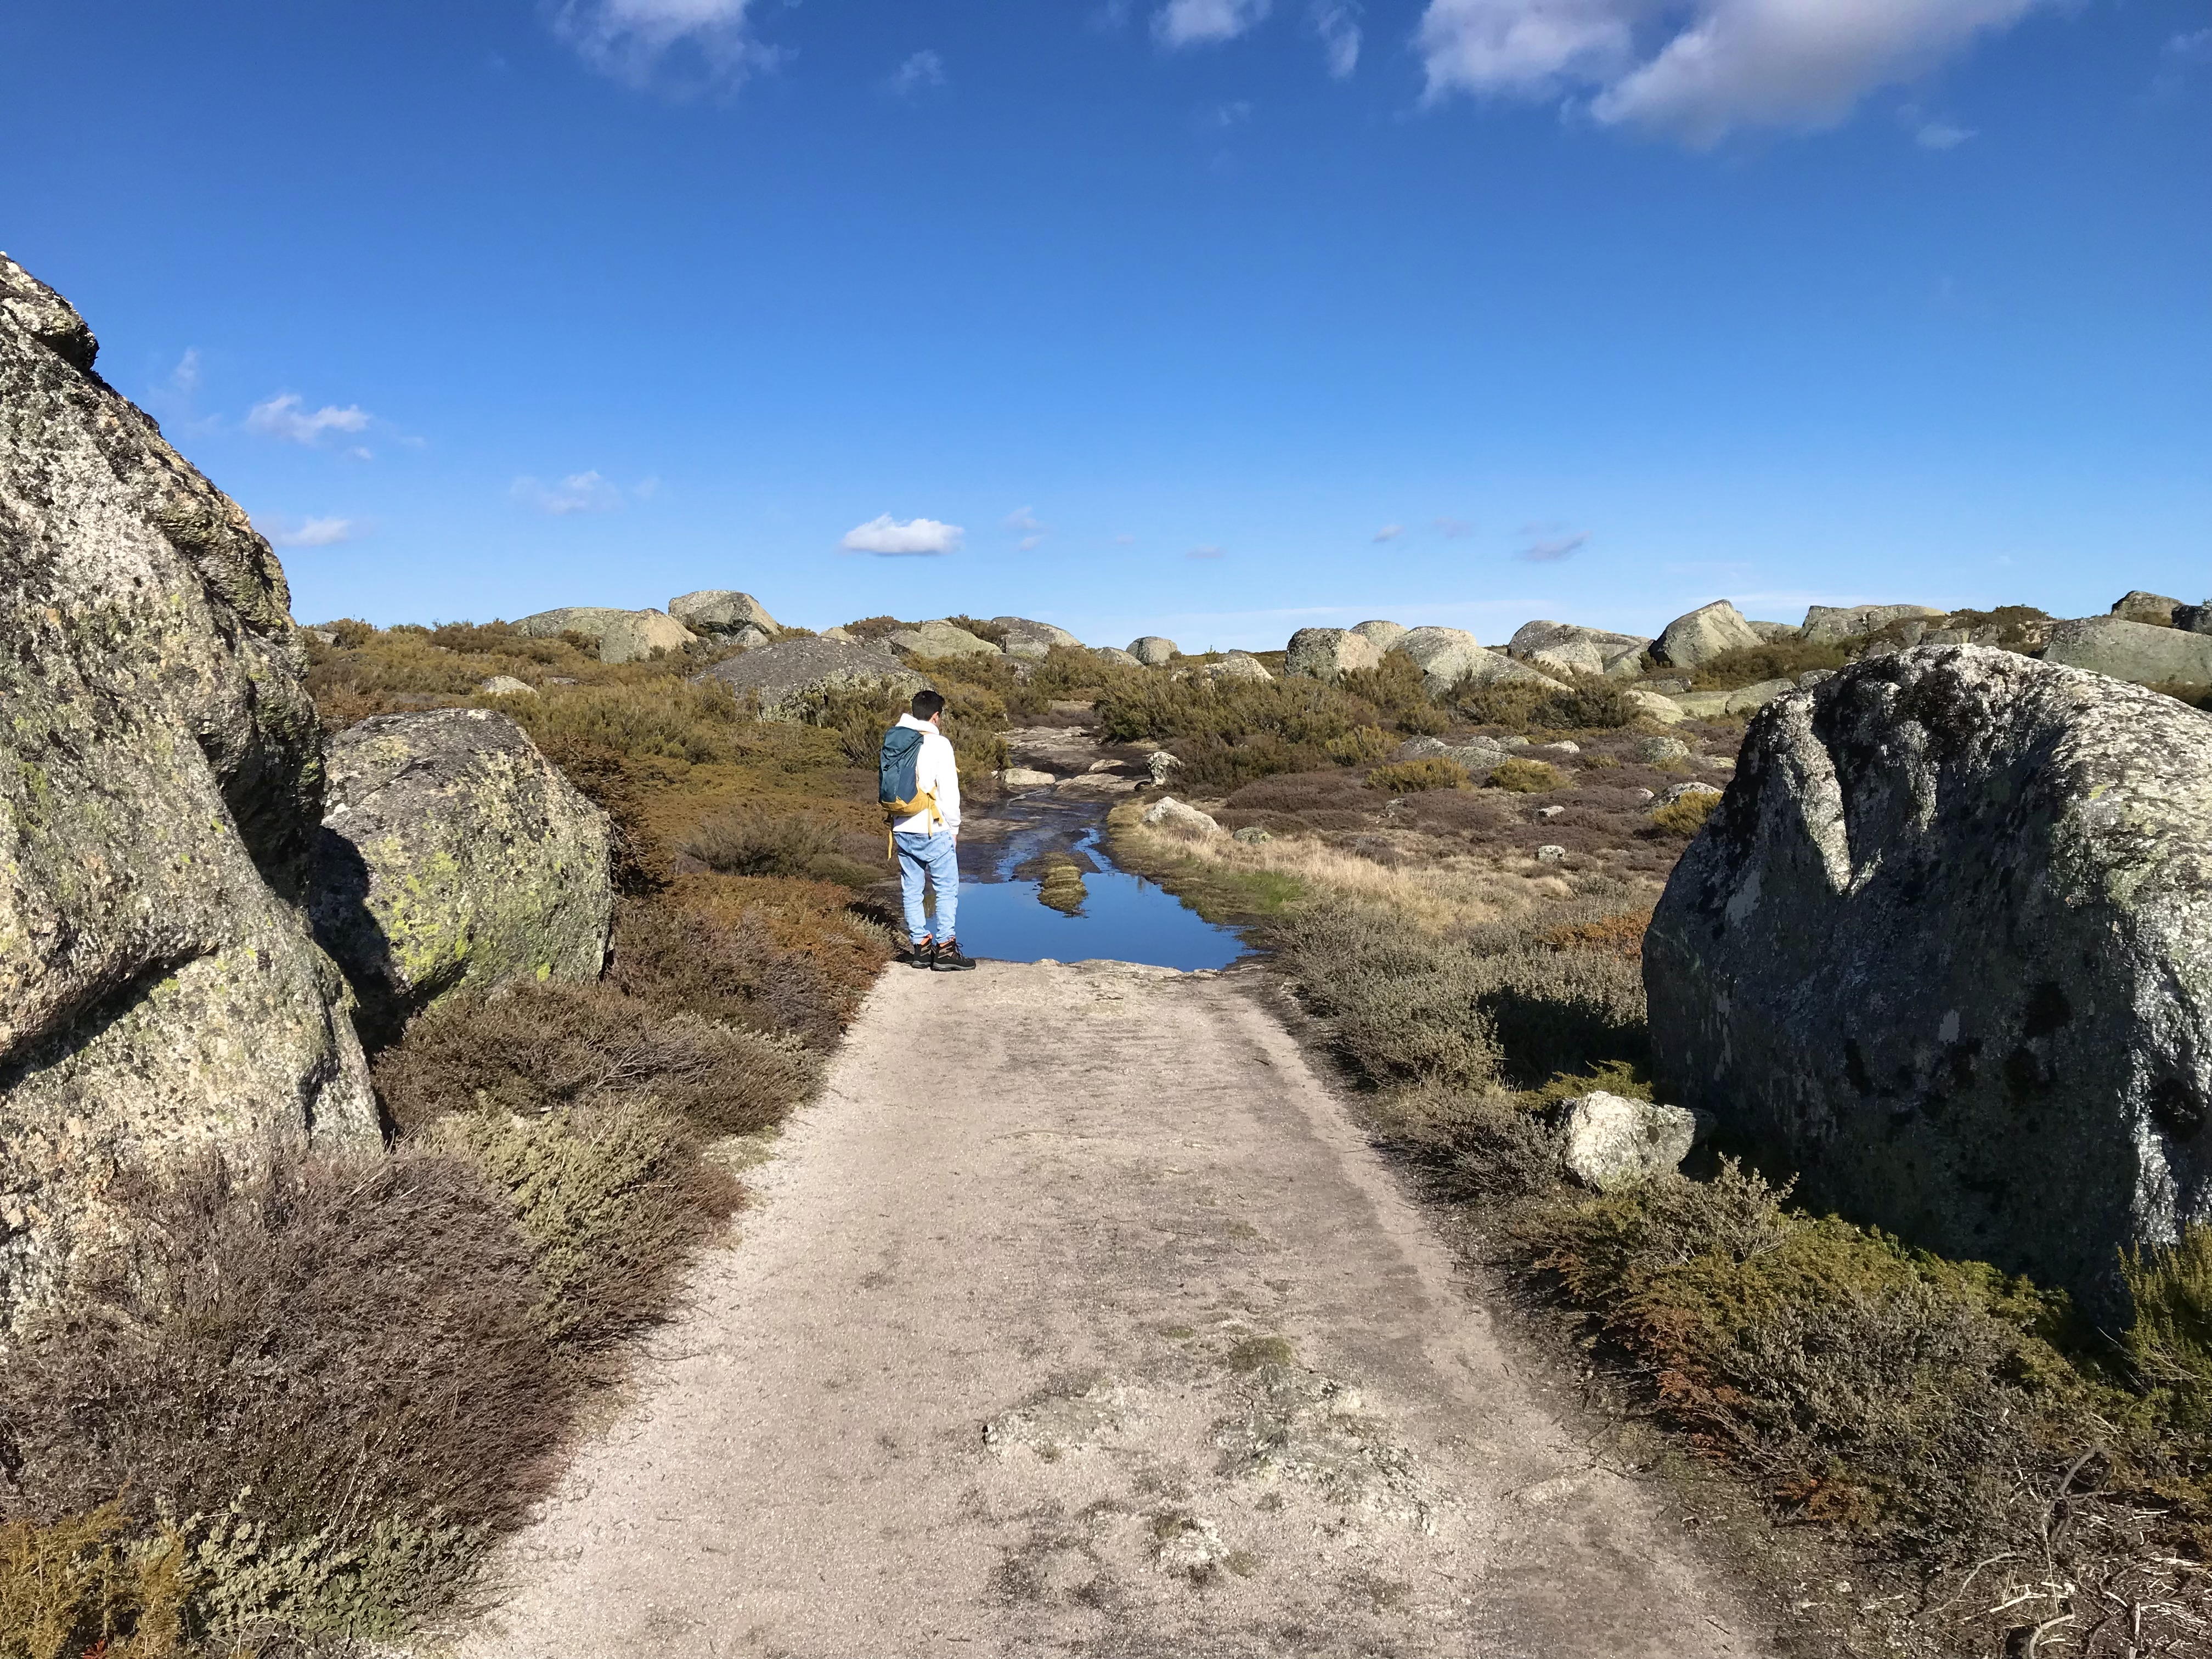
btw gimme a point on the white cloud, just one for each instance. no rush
(312, 533)
(185, 378)
(1699, 67)
(1389, 533)
(923, 69)
(630, 39)
(1941, 134)
(1204, 551)
(580, 492)
(1229, 114)
(1023, 521)
(1201, 22)
(889, 537)
(283, 418)
(1552, 549)
(1337, 22)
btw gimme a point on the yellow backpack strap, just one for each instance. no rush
(925, 800)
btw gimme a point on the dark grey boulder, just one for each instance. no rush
(455, 856)
(724, 613)
(2141, 652)
(1032, 640)
(1945, 950)
(2138, 606)
(160, 777)
(1832, 624)
(792, 679)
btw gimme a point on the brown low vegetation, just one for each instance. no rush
(1777, 660)
(1412, 777)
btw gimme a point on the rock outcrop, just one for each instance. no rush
(940, 638)
(1833, 624)
(2137, 607)
(455, 856)
(2141, 652)
(724, 614)
(161, 776)
(793, 679)
(1446, 656)
(1945, 948)
(1235, 665)
(1032, 640)
(1703, 634)
(1328, 654)
(1153, 651)
(1115, 654)
(1567, 649)
(621, 636)
(1386, 634)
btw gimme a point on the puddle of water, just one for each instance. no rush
(1112, 915)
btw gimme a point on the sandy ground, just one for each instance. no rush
(1076, 1317)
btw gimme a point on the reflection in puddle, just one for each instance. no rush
(1037, 883)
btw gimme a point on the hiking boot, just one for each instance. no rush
(922, 953)
(946, 957)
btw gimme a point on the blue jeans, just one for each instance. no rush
(931, 855)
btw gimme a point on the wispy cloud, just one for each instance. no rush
(1204, 551)
(1233, 113)
(635, 41)
(1024, 523)
(1201, 22)
(311, 532)
(185, 378)
(1389, 533)
(1337, 22)
(1698, 69)
(286, 420)
(1552, 549)
(891, 538)
(1125, 541)
(2182, 55)
(918, 73)
(1941, 134)
(580, 492)
(1451, 527)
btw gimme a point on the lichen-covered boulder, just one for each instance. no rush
(1567, 648)
(1328, 654)
(1235, 665)
(792, 679)
(1152, 650)
(161, 774)
(1699, 635)
(722, 613)
(1945, 949)
(940, 639)
(1032, 640)
(455, 855)
(1446, 656)
(1606, 1139)
(621, 635)
(2141, 652)
(1170, 814)
(2138, 606)
(506, 685)
(1116, 655)
(1833, 624)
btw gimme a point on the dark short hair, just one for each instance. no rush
(926, 703)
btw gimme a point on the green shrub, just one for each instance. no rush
(1683, 817)
(994, 632)
(1229, 733)
(2170, 1341)
(1526, 777)
(1412, 777)
(872, 629)
(82, 1583)
(1395, 688)
(1777, 660)
(673, 720)
(1532, 706)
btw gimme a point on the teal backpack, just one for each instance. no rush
(896, 777)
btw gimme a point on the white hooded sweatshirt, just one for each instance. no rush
(934, 769)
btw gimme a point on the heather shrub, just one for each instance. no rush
(873, 629)
(1682, 817)
(1777, 660)
(2170, 1342)
(773, 956)
(1526, 777)
(1412, 777)
(1395, 689)
(1591, 703)
(748, 841)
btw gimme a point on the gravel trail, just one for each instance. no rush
(1077, 1318)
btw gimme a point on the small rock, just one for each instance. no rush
(1612, 1139)
(1660, 751)
(1654, 706)
(1026, 777)
(1169, 813)
(1812, 677)
(1564, 746)
(1160, 763)
(1678, 791)
(328, 637)
(843, 635)
(560, 679)
(1237, 665)
(1549, 811)
(1666, 688)
(1551, 852)
(506, 685)
(1516, 741)
(1253, 832)
(1642, 795)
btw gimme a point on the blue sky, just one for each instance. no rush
(1213, 317)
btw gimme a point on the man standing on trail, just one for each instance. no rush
(919, 787)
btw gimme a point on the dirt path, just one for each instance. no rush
(1076, 1318)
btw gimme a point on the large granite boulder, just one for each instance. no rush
(2137, 607)
(455, 856)
(1833, 624)
(2141, 652)
(1945, 949)
(1328, 654)
(161, 775)
(1703, 634)
(1031, 640)
(723, 613)
(1385, 634)
(621, 636)
(1152, 650)
(2194, 618)
(1566, 648)
(792, 679)
(1234, 666)
(1116, 655)
(940, 639)
(1446, 656)
(1774, 633)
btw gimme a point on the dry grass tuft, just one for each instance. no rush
(1412, 777)
(1527, 777)
(1683, 818)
